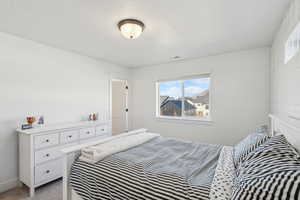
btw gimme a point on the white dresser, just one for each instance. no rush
(40, 159)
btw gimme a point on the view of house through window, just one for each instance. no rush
(187, 98)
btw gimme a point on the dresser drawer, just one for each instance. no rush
(87, 133)
(42, 156)
(101, 130)
(46, 140)
(68, 137)
(48, 171)
(46, 155)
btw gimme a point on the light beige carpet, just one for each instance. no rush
(51, 191)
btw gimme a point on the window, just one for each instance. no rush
(292, 45)
(185, 98)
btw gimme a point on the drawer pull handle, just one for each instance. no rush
(70, 136)
(88, 132)
(47, 155)
(48, 171)
(47, 140)
(102, 129)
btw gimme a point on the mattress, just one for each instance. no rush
(163, 168)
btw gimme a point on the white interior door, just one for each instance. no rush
(119, 106)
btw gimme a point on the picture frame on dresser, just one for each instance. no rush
(40, 156)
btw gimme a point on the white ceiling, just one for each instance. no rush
(186, 28)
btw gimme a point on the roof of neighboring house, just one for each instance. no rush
(202, 97)
(163, 99)
(178, 103)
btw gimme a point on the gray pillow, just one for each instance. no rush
(262, 129)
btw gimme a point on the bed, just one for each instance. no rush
(165, 168)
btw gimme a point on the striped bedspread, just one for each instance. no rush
(119, 178)
(114, 179)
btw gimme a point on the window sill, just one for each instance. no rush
(184, 120)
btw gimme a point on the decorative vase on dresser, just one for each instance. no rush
(40, 159)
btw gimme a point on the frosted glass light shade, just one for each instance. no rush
(131, 28)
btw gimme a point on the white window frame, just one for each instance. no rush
(184, 118)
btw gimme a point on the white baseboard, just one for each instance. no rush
(9, 184)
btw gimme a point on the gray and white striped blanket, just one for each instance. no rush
(160, 169)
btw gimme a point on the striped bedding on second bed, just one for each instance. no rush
(115, 179)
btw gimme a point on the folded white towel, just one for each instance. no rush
(98, 152)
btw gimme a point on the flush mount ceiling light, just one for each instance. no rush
(131, 28)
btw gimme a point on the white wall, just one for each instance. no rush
(240, 96)
(285, 78)
(40, 80)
